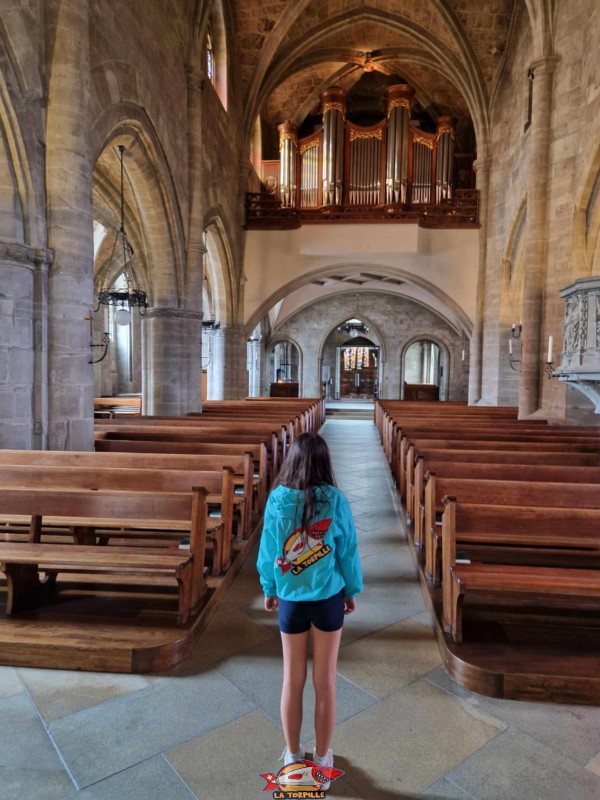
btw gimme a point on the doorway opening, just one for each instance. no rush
(423, 371)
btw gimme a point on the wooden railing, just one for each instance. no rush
(264, 212)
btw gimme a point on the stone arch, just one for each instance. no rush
(218, 264)
(280, 339)
(154, 212)
(586, 222)
(19, 217)
(513, 262)
(468, 79)
(456, 317)
(445, 361)
(340, 321)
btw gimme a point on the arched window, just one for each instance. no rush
(215, 51)
(210, 58)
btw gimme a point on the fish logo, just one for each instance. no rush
(303, 544)
(302, 778)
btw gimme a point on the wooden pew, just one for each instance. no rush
(410, 448)
(214, 436)
(218, 484)
(533, 527)
(182, 449)
(21, 562)
(428, 491)
(126, 406)
(495, 494)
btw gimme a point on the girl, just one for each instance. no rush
(310, 571)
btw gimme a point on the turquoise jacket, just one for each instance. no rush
(311, 564)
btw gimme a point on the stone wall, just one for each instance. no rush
(395, 323)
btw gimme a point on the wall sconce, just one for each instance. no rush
(105, 341)
(516, 330)
(549, 363)
(511, 358)
(466, 365)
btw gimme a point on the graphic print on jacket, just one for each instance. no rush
(304, 547)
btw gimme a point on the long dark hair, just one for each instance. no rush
(307, 465)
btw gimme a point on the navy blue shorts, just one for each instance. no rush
(296, 616)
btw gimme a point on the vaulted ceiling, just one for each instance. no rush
(449, 50)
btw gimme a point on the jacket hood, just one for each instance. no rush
(289, 502)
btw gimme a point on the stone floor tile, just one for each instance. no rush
(424, 618)
(390, 658)
(29, 765)
(593, 765)
(516, 766)
(10, 683)
(408, 741)
(102, 740)
(244, 591)
(227, 762)
(227, 633)
(258, 674)
(57, 693)
(446, 790)
(153, 779)
(572, 730)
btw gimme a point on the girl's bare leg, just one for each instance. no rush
(295, 656)
(326, 645)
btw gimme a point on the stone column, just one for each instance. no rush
(172, 353)
(17, 354)
(536, 241)
(70, 234)
(254, 371)
(43, 261)
(196, 248)
(229, 375)
(482, 167)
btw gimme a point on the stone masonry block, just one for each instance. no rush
(20, 366)
(15, 437)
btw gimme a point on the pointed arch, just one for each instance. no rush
(152, 204)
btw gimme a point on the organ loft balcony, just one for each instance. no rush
(342, 172)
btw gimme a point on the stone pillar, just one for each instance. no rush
(399, 104)
(288, 151)
(18, 374)
(195, 246)
(254, 367)
(172, 353)
(482, 167)
(536, 241)
(229, 375)
(334, 117)
(69, 221)
(43, 261)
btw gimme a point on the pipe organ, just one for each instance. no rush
(392, 163)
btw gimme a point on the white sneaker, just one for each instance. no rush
(324, 761)
(289, 758)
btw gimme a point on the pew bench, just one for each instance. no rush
(22, 562)
(531, 530)
(486, 509)
(220, 498)
(580, 583)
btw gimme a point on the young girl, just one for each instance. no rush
(309, 570)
